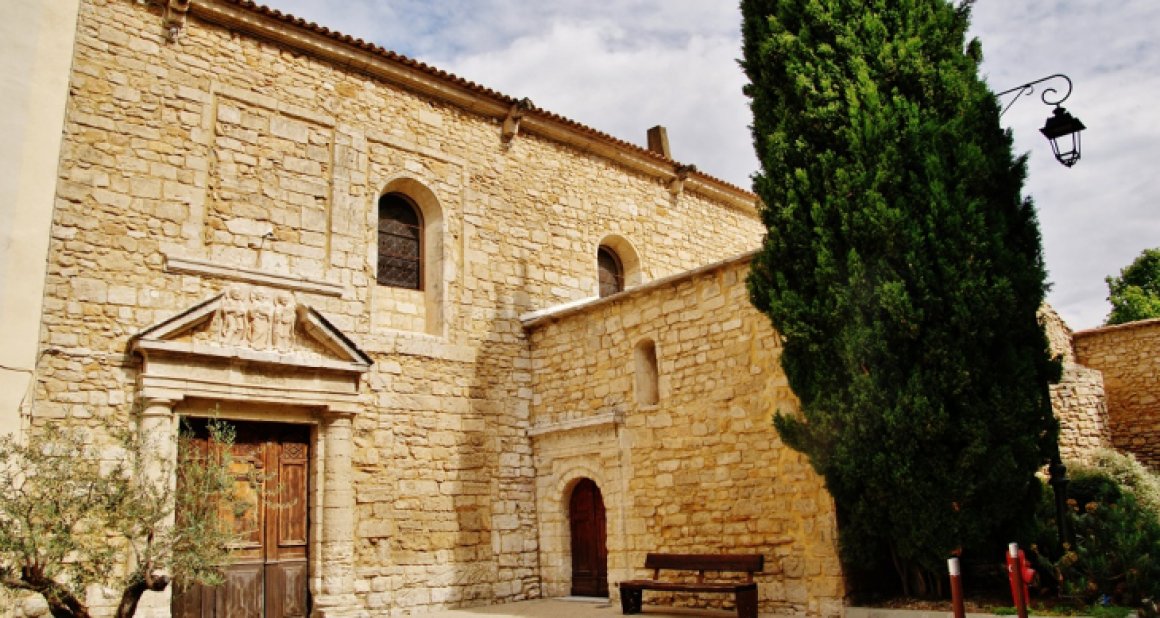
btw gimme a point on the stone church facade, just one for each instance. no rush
(455, 324)
(495, 354)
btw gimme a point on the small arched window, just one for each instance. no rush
(611, 271)
(400, 243)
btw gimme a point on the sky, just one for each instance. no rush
(632, 64)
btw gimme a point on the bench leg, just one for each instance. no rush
(630, 600)
(747, 603)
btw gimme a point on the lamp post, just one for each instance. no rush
(1060, 125)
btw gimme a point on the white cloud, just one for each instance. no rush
(623, 67)
(1099, 215)
(592, 73)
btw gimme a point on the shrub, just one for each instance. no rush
(1113, 514)
(1131, 475)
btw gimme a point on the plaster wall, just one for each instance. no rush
(34, 71)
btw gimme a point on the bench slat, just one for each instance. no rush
(749, 563)
(649, 584)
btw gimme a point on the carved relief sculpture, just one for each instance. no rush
(285, 314)
(261, 318)
(256, 317)
(232, 316)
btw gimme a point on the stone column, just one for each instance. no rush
(337, 594)
(157, 429)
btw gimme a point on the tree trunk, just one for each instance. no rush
(901, 569)
(61, 602)
(131, 595)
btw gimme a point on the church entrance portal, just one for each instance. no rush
(268, 578)
(589, 542)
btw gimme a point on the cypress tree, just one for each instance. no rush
(903, 269)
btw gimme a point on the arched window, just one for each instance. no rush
(400, 243)
(647, 389)
(611, 271)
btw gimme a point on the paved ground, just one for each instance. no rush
(573, 607)
(579, 607)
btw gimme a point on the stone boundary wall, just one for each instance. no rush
(1078, 399)
(701, 470)
(1128, 356)
(1080, 404)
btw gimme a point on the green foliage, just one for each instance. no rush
(73, 514)
(903, 269)
(1099, 611)
(1135, 294)
(1131, 476)
(1117, 528)
(1110, 611)
(52, 497)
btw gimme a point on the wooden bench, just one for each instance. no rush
(631, 591)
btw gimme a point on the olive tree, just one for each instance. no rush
(73, 514)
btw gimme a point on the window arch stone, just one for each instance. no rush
(626, 257)
(419, 305)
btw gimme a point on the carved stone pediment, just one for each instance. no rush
(255, 323)
(252, 343)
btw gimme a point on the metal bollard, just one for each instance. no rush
(1015, 573)
(956, 588)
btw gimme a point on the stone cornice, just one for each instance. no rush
(610, 419)
(428, 81)
(1100, 330)
(206, 268)
(534, 319)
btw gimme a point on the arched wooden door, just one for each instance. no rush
(589, 546)
(268, 578)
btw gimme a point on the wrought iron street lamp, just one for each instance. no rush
(1060, 126)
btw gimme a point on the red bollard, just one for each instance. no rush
(1017, 575)
(956, 588)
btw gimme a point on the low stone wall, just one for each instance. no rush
(1078, 399)
(700, 470)
(1081, 407)
(1128, 356)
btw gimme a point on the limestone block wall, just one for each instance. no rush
(702, 469)
(1128, 356)
(1078, 399)
(221, 157)
(1080, 404)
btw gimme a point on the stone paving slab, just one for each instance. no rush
(585, 607)
(572, 607)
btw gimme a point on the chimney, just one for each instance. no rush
(658, 141)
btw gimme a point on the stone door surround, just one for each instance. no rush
(259, 345)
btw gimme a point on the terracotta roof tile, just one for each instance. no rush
(458, 81)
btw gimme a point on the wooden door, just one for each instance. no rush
(589, 546)
(268, 576)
